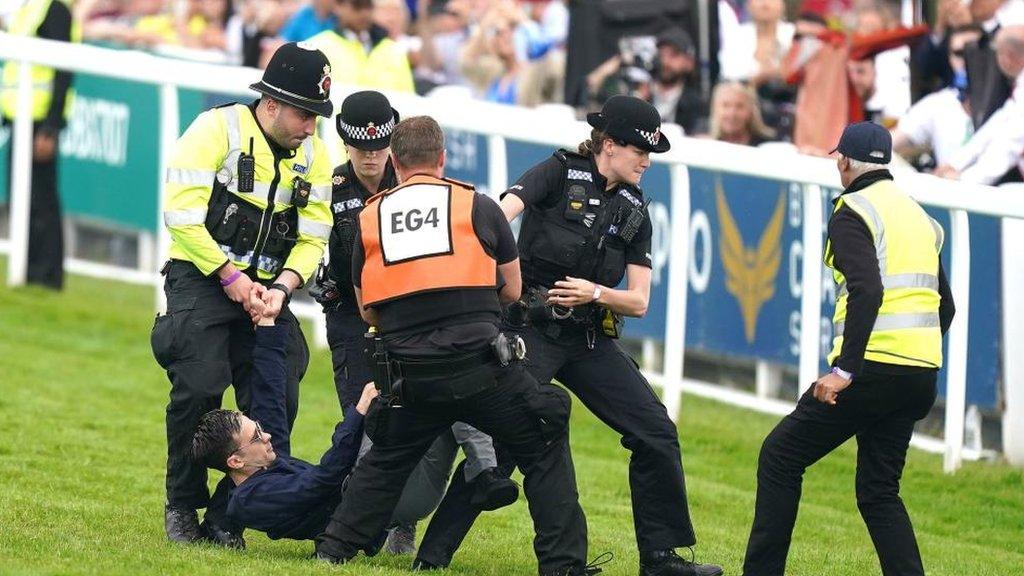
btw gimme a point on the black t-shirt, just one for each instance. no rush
(497, 240)
(543, 187)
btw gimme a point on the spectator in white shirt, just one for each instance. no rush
(755, 51)
(941, 121)
(993, 154)
(890, 97)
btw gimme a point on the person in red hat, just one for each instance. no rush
(248, 188)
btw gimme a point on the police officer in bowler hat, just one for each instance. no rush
(248, 213)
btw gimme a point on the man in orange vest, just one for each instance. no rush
(433, 263)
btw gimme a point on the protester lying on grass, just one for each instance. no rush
(275, 492)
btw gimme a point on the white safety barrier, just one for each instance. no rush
(502, 122)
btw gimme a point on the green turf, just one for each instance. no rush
(82, 459)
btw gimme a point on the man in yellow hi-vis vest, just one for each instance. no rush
(892, 309)
(248, 211)
(51, 99)
(361, 53)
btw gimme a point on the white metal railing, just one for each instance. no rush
(502, 122)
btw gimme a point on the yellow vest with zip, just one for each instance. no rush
(25, 22)
(204, 164)
(385, 67)
(907, 243)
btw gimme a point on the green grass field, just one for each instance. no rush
(82, 458)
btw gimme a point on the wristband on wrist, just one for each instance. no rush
(597, 292)
(842, 373)
(230, 279)
(282, 288)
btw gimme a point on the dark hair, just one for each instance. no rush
(417, 142)
(594, 144)
(214, 438)
(809, 16)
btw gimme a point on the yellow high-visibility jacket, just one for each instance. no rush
(907, 242)
(208, 153)
(385, 67)
(26, 22)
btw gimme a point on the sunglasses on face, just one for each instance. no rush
(257, 436)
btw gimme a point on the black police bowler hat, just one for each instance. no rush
(632, 121)
(867, 142)
(366, 120)
(300, 75)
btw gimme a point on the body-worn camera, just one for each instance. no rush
(324, 290)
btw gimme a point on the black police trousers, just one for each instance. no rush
(880, 410)
(610, 384)
(531, 422)
(45, 229)
(346, 331)
(205, 343)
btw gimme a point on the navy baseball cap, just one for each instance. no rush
(867, 142)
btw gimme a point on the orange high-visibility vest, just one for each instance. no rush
(419, 237)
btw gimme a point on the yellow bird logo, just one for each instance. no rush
(750, 273)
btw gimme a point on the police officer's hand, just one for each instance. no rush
(369, 393)
(273, 301)
(256, 307)
(571, 292)
(239, 290)
(44, 145)
(828, 387)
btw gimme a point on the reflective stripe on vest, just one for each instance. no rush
(898, 322)
(907, 245)
(26, 22)
(419, 237)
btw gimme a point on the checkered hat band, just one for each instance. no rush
(650, 137)
(580, 175)
(363, 132)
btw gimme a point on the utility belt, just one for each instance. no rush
(554, 320)
(235, 225)
(390, 373)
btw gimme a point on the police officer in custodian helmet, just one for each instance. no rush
(247, 211)
(585, 227)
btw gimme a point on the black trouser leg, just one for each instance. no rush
(881, 455)
(196, 355)
(609, 383)
(812, 430)
(345, 335)
(45, 229)
(799, 440)
(401, 437)
(531, 422)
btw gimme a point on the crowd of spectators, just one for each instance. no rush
(793, 71)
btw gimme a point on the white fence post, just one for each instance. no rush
(169, 123)
(1013, 340)
(810, 299)
(497, 165)
(21, 178)
(678, 288)
(956, 364)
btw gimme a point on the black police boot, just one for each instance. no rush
(493, 492)
(182, 525)
(421, 565)
(221, 537)
(591, 569)
(668, 563)
(401, 539)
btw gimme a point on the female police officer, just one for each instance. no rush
(585, 226)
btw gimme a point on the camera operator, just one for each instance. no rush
(658, 70)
